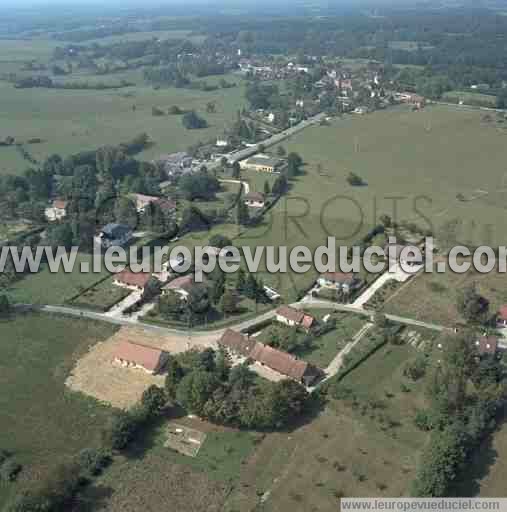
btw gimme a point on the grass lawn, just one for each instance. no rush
(48, 288)
(432, 297)
(43, 422)
(324, 348)
(102, 296)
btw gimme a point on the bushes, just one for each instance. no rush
(415, 369)
(9, 470)
(233, 397)
(92, 461)
(125, 425)
(191, 121)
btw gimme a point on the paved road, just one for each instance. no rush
(307, 302)
(236, 156)
(245, 185)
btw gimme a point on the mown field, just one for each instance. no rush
(340, 451)
(433, 297)
(69, 121)
(423, 158)
(152, 477)
(46, 287)
(42, 422)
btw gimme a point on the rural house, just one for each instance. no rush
(294, 317)
(285, 363)
(132, 280)
(57, 210)
(501, 317)
(175, 163)
(142, 201)
(168, 206)
(282, 362)
(262, 163)
(346, 282)
(487, 345)
(131, 355)
(236, 343)
(181, 285)
(254, 200)
(114, 235)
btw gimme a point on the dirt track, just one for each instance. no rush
(96, 375)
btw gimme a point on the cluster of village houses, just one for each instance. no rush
(239, 346)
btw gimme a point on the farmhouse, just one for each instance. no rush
(279, 361)
(501, 317)
(175, 163)
(285, 363)
(254, 200)
(168, 206)
(412, 99)
(262, 163)
(132, 280)
(236, 343)
(113, 235)
(294, 317)
(57, 211)
(181, 285)
(339, 281)
(132, 355)
(487, 345)
(221, 143)
(142, 201)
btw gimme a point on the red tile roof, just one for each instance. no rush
(339, 277)
(279, 361)
(292, 314)
(181, 283)
(307, 321)
(166, 204)
(148, 357)
(487, 345)
(60, 204)
(130, 278)
(236, 342)
(254, 196)
(502, 312)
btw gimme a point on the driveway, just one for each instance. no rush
(395, 272)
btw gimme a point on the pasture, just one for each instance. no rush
(432, 297)
(199, 483)
(342, 451)
(69, 121)
(42, 422)
(45, 287)
(425, 159)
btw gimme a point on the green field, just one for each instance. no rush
(433, 297)
(426, 158)
(470, 98)
(69, 121)
(101, 297)
(323, 348)
(46, 287)
(341, 451)
(42, 422)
